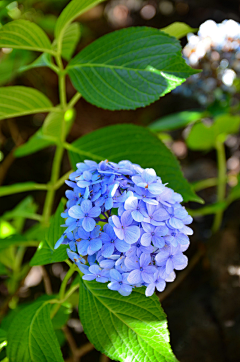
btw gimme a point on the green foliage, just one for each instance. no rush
(12, 62)
(3, 335)
(13, 240)
(70, 40)
(126, 69)
(24, 209)
(18, 101)
(175, 121)
(35, 143)
(129, 68)
(45, 253)
(178, 30)
(31, 336)
(133, 327)
(3, 270)
(204, 137)
(73, 10)
(62, 316)
(48, 135)
(20, 187)
(23, 34)
(138, 145)
(44, 60)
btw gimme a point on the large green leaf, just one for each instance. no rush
(132, 328)
(178, 30)
(31, 336)
(18, 101)
(137, 144)
(46, 254)
(204, 137)
(74, 9)
(23, 34)
(70, 39)
(175, 120)
(129, 68)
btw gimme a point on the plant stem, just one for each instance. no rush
(47, 210)
(61, 181)
(221, 185)
(74, 100)
(62, 290)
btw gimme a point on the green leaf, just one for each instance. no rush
(72, 11)
(8, 258)
(3, 336)
(48, 135)
(23, 34)
(62, 316)
(11, 63)
(6, 229)
(35, 143)
(137, 144)
(132, 328)
(175, 121)
(3, 270)
(201, 137)
(70, 40)
(13, 240)
(46, 254)
(178, 30)
(26, 206)
(204, 137)
(52, 126)
(44, 60)
(129, 68)
(60, 337)
(18, 101)
(31, 336)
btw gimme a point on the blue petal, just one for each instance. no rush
(135, 277)
(76, 212)
(88, 223)
(86, 206)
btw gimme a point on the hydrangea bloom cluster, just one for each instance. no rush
(215, 50)
(124, 226)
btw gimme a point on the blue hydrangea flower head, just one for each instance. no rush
(124, 227)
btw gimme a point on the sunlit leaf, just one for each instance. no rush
(132, 328)
(129, 68)
(178, 30)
